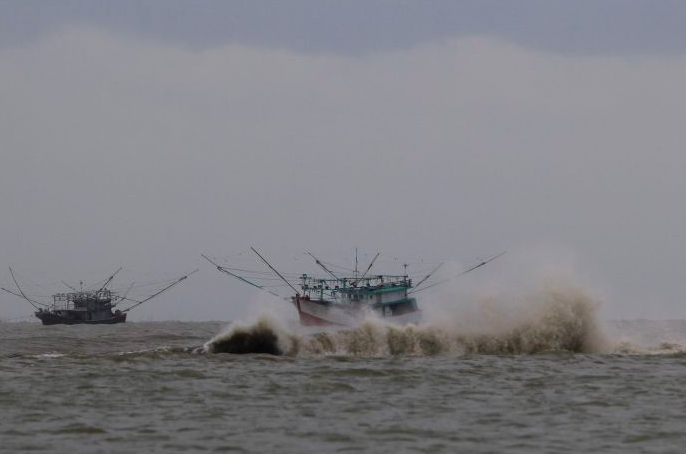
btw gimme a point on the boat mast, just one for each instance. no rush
(355, 263)
(368, 268)
(274, 270)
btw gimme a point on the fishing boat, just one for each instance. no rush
(346, 301)
(90, 307)
(338, 300)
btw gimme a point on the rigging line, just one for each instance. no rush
(240, 278)
(109, 280)
(263, 273)
(460, 274)
(93, 285)
(257, 275)
(428, 275)
(368, 268)
(339, 266)
(260, 279)
(33, 303)
(121, 298)
(153, 284)
(316, 260)
(274, 270)
(138, 303)
(242, 270)
(17, 294)
(69, 286)
(261, 287)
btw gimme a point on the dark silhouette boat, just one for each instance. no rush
(93, 308)
(90, 307)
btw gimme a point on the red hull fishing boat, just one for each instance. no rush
(348, 300)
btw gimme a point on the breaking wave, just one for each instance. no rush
(554, 320)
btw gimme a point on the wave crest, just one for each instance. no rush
(556, 320)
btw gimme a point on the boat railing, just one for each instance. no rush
(311, 282)
(81, 300)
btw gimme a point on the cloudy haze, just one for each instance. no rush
(143, 136)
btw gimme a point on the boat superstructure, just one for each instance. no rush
(346, 301)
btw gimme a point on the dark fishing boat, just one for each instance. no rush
(90, 307)
(94, 307)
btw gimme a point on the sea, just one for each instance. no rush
(562, 382)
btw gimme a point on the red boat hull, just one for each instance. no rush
(325, 313)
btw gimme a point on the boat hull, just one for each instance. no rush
(48, 318)
(324, 313)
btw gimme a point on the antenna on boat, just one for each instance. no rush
(109, 279)
(468, 270)
(21, 293)
(274, 270)
(240, 278)
(322, 265)
(355, 263)
(368, 268)
(138, 303)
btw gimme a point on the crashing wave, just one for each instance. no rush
(556, 320)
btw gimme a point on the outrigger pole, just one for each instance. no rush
(240, 278)
(468, 270)
(274, 270)
(138, 303)
(322, 265)
(429, 275)
(20, 296)
(21, 293)
(109, 279)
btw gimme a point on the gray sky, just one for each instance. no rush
(145, 133)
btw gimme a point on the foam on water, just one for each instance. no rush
(554, 319)
(647, 337)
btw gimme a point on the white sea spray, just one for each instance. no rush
(555, 318)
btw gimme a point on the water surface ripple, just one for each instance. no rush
(146, 387)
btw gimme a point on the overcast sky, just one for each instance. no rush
(145, 133)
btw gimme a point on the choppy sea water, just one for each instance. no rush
(158, 387)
